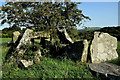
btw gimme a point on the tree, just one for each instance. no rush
(44, 15)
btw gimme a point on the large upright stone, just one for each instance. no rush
(25, 39)
(76, 51)
(15, 36)
(63, 35)
(103, 47)
(85, 51)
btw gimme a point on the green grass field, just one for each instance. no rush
(49, 67)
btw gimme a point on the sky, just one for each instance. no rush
(102, 14)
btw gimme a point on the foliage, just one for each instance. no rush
(7, 32)
(46, 16)
(88, 34)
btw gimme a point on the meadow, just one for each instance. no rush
(49, 67)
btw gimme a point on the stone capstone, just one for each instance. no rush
(103, 47)
(15, 36)
(107, 69)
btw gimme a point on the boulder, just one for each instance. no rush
(26, 63)
(85, 51)
(103, 47)
(25, 40)
(109, 70)
(63, 35)
(76, 51)
(15, 36)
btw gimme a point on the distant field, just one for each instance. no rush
(4, 49)
(5, 39)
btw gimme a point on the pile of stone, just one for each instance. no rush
(102, 48)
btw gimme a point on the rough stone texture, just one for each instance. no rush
(85, 51)
(76, 51)
(15, 36)
(103, 47)
(26, 63)
(38, 55)
(107, 69)
(25, 39)
(63, 35)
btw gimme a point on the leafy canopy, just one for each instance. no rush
(43, 15)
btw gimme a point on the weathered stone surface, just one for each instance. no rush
(63, 35)
(103, 47)
(38, 55)
(15, 36)
(107, 69)
(25, 38)
(26, 63)
(76, 51)
(85, 51)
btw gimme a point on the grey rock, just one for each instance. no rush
(25, 39)
(103, 47)
(64, 35)
(107, 69)
(85, 51)
(38, 55)
(76, 51)
(15, 36)
(26, 63)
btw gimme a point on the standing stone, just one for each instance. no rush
(85, 51)
(15, 36)
(24, 40)
(76, 51)
(103, 47)
(63, 35)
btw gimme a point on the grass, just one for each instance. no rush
(6, 39)
(4, 49)
(47, 68)
(51, 68)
